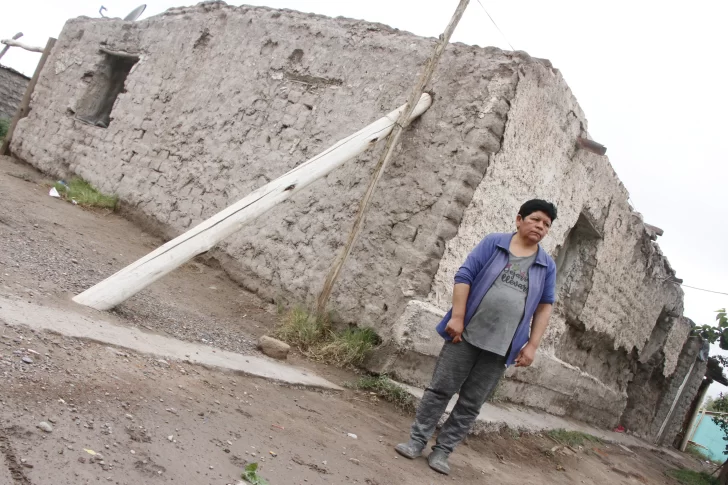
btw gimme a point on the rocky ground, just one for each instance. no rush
(77, 412)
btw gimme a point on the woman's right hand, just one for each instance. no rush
(455, 328)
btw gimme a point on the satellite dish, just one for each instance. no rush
(136, 13)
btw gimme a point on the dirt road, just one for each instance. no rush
(126, 418)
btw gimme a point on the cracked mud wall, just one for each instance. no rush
(224, 99)
(626, 285)
(12, 89)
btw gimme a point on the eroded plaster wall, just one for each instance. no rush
(224, 99)
(629, 281)
(613, 284)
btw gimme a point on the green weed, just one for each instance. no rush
(303, 329)
(690, 477)
(387, 390)
(250, 475)
(4, 127)
(315, 338)
(698, 453)
(572, 438)
(85, 194)
(349, 347)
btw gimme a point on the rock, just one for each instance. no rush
(53, 419)
(27, 360)
(273, 347)
(354, 461)
(44, 426)
(352, 435)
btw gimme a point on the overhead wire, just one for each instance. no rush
(496, 25)
(703, 289)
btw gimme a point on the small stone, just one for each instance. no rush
(129, 416)
(132, 452)
(352, 435)
(170, 437)
(53, 419)
(273, 347)
(354, 461)
(44, 426)
(211, 467)
(27, 360)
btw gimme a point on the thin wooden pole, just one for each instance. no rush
(402, 123)
(138, 275)
(7, 47)
(25, 103)
(674, 403)
(691, 428)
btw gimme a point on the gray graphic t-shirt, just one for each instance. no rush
(501, 309)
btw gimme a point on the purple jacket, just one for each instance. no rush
(480, 270)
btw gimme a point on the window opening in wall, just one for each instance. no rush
(104, 86)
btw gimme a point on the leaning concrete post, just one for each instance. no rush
(138, 275)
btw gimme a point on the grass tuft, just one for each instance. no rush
(4, 127)
(698, 453)
(387, 390)
(572, 438)
(314, 337)
(349, 347)
(86, 195)
(302, 329)
(691, 477)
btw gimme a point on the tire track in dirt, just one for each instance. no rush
(15, 468)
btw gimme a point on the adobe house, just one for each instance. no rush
(184, 113)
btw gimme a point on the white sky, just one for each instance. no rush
(650, 76)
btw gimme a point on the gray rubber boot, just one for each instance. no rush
(412, 449)
(438, 462)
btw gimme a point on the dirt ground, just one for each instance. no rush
(151, 421)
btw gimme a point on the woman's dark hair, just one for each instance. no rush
(534, 205)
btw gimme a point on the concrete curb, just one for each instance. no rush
(494, 418)
(73, 324)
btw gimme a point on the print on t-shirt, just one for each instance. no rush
(515, 276)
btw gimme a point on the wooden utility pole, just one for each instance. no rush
(25, 103)
(402, 123)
